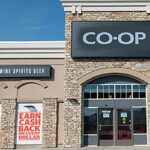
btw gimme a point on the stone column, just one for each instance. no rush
(148, 104)
(8, 120)
(49, 122)
(72, 102)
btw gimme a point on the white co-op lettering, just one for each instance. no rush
(132, 38)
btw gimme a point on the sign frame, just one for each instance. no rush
(25, 71)
(80, 50)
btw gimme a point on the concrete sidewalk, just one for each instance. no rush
(87, 148)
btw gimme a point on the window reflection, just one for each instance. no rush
(94, 91)
(129, 91)
(124, 124)
(90, 91)
(139, 115)
(106, 124)
(100, 91)
(135, 91)
(118, 94)
(90, 120)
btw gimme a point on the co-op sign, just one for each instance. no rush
(110, 39)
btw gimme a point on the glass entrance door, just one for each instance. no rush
(115, 127)
(124, 127)
(105, 127)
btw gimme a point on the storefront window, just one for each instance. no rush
(129, 91)
(87, 93)
(139, 91)
(90, 91)
(90, 120)
(118, 91)
(135, 91)
(142, 91)
(111, 94)
(139, 116)
(102, 91)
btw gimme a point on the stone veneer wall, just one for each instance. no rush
(8, 120)
(76, 68)
(49, 122)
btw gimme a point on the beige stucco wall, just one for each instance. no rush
(47, 91)
(31, 91)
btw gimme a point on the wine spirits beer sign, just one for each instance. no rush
(110, 39)
(25, 71)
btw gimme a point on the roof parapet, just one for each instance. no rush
(38, 49)
(79, 6)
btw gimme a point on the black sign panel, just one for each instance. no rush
(25, 71)
(110, 39)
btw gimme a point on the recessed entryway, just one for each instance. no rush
(115, 112)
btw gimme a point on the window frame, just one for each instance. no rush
(126, 91)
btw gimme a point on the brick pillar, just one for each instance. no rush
(8, 120)
(49, 122)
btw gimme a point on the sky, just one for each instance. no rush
(31, 20)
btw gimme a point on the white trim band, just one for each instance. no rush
(40, 49)
(78, 6)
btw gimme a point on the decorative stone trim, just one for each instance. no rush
(49, 122)
(23, 82)
(114, 71)
(60, 100)
(3, 85)
(8, 120)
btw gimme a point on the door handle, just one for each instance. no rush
(130, 127)
(99, 127)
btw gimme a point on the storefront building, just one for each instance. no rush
(32, 94)
(107, 74)
(91, 90)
